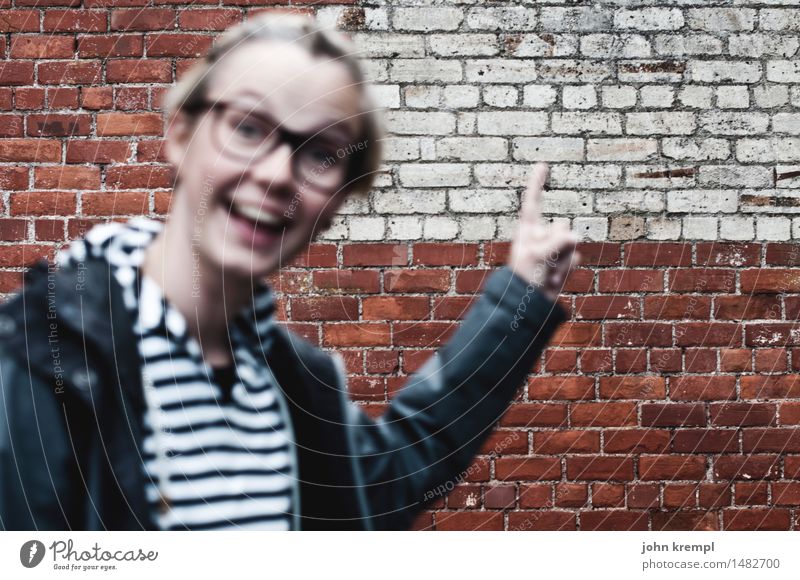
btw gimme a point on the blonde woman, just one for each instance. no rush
(145, 382)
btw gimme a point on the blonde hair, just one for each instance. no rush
(189, 93)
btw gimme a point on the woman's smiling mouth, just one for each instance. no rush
(256, 225)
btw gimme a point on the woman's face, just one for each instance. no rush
(245, 215)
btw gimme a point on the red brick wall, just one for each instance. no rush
(670, 400)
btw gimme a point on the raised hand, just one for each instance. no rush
(542, 254)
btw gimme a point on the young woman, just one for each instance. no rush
(145, 382)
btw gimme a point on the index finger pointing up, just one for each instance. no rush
(531, 210)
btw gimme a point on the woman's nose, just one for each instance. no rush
(273, 170)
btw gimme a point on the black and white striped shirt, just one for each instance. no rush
(228, 460)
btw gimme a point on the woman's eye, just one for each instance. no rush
(250, 130)
(322, 154)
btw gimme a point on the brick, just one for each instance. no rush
(325, 308)
(114, 203)
(560, 362)
(445, 254)
(769, 280)
(534, 415)
(489, 520)
(661, 254)
(702, 280)
(138, 71)
(613, 520)
(356, 334)
(142, 19)
(97, 151)
(767, 386)
(702, 388)
(714, 495)
(74, 21)
(138, 176)
(569, 495)
(602, 307)
(756, 519)
(596, 360)
(764, 335)
(505, 442)
(659, 467)
(558, 442)
(751, 493)
(19, 20)
(630, 281)
(107, 46)
(30, 150)
(677, 307)
(43, 203)
(680, 495)
(424, 334)
(747, 467)
(636, 440)
(561, 388)
(706, 441)
(603, 414)
(743, 414)
(693, 520)
(771, 440)
(643, 496)
(73, 73)
(394, 308)
(67, 177)
(632, 387)
(727, 254)
(426, 280)
(530, 468)
(673, 415)
(33, 46)
(500, 497)
(343, 281)
(451, 307)
(745, 307)
(23, 255)
(707, 334)
(608, 495)
(12, 230)
(576, 334)
(538, 520)
(124, 124)
(786, 493)
(771, 360)
(602, 468)
(58, 125)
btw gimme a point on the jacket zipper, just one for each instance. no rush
(356, 467)
(293, 452)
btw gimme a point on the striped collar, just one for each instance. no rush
(123, 246)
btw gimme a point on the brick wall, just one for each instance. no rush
(670, 400)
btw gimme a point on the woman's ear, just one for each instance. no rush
(176, 138)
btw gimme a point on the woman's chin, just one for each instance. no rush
(238, 258)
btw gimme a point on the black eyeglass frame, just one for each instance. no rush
(296, 140)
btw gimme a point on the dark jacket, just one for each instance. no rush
(72, 406)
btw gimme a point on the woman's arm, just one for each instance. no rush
(434, 427)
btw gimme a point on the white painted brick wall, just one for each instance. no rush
(661, 121)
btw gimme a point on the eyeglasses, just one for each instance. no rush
(249, 136)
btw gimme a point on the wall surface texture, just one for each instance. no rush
(671, 398)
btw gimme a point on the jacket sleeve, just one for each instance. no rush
(40, 488)
(436, 424)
